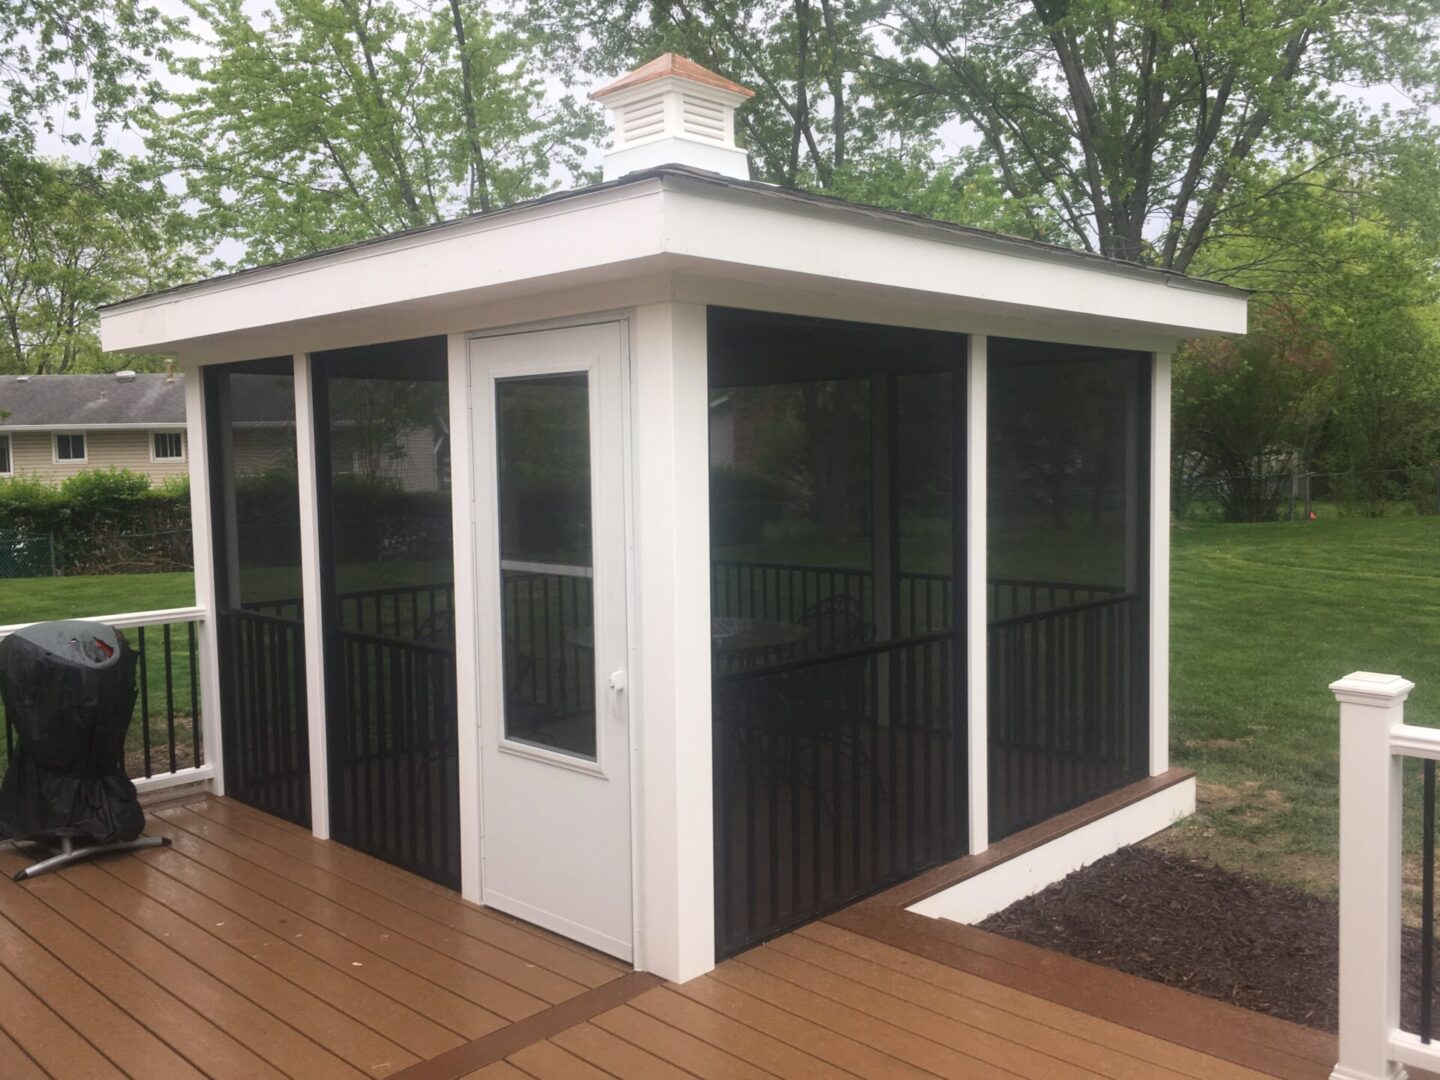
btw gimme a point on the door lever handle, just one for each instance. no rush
(617, 681)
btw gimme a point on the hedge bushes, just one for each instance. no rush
(104, 521)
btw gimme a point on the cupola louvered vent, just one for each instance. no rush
(672, 111)
(702, 119)
(641, 119)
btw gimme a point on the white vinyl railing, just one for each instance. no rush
(172, 735)
(1374, 742)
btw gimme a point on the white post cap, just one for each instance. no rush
(1371, 688)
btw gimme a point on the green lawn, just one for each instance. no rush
(1263, 618)
(38, 599)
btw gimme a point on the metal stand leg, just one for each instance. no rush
(69, 854)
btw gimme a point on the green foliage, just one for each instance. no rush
(71, 239)
(69, 64)
(1146, 126)
(329, 122)
(103, 517)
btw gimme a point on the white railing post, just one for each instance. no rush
(1371, 707)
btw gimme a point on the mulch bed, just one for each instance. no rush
(1192, 925)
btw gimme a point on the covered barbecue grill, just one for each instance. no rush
(69, 692)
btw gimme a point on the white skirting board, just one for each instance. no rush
(994, 890)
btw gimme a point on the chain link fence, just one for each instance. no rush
(47, 555)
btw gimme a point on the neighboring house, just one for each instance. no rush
(956, 631)
(54, 426)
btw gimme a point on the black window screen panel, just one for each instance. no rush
(382, 426)
(1068, 603)
(837, 652)
(255, 506)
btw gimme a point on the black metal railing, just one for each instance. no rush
(1067, 708)
(414, 612)
(835, 776)
(166, 734)
(394, 767)
(264, 728)
(549, 647)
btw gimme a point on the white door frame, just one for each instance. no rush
(467, 489)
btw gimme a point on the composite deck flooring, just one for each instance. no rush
(248, 949)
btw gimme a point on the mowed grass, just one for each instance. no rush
(25, 600)
(1263, 618)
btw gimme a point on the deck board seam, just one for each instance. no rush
(540, 1027)
(440, 927)
(1053, 991)
(241, 917)
(83, 1036)
(973, 1026)
(502, 1020)
(203, 971)
(914, 1006)
(349, 884)
(401, 877)
(226, 982)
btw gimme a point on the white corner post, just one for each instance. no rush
(202, 532)
(977, 666)
(670, 640)
(467, 668)
(314, 630)
(1372, 706)
(1159, 571)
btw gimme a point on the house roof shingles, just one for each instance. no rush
(86, 401)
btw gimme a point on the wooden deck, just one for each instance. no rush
(251, 950)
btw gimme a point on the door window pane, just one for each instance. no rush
(546, 564)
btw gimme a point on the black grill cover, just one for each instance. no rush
(69, 690)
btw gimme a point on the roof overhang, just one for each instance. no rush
(661, 223)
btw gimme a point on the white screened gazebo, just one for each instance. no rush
(674, 560)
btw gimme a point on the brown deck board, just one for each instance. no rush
(675, 1046)
(615, 1055)
(496, 1002)
(745, 1042)
(398, 1023)
(347, 1039)
(1154, 1054)
(269, 1036)
(15, 1064)
(94, 1016)
(824, 1006)
(824, 1042)
(910, 1015)
(546, 1061)
(53, 911)
(46, 1037)
(588, 968)
(974, 1013)
(251, 950)
(525, 977)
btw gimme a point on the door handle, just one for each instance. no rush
(617, 681)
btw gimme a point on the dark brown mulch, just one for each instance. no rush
(1192, 925)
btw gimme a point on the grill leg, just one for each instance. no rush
(69, 854)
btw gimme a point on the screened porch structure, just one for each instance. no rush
(671, 562)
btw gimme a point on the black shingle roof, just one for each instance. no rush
(82, 401)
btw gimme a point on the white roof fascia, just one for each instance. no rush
(696, 220)
(733, 226)
(615, 225)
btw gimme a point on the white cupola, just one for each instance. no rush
(672, 111)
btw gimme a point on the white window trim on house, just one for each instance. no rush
(7, 462)
(155, 458)
(84, 459)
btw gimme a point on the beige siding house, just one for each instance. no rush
(54, 426)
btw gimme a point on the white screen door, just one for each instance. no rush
(551, 554)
